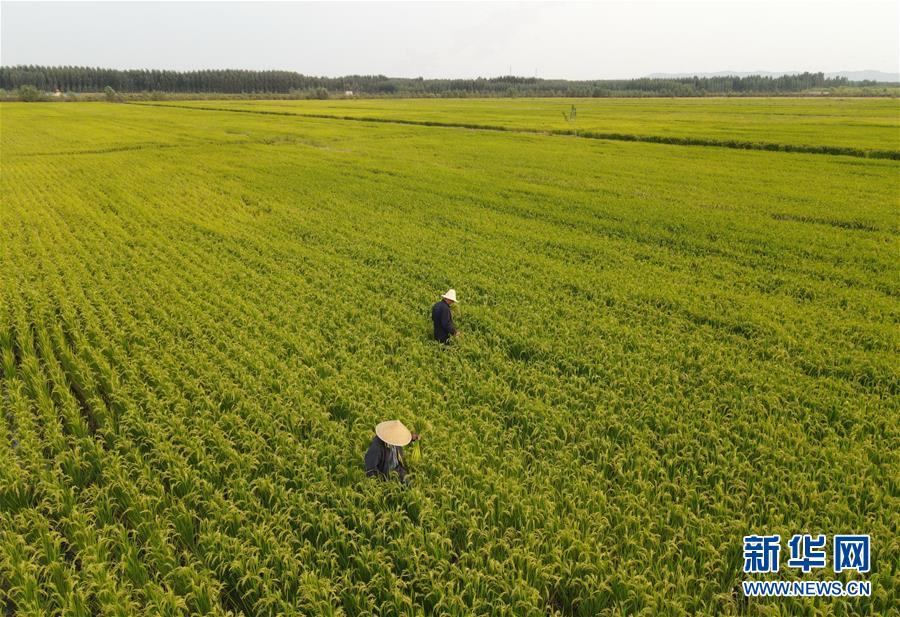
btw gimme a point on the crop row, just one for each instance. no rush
(197, 340)
(573, 132)
(823, 125)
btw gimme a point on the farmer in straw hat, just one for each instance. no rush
(385, 454)
(443, 320)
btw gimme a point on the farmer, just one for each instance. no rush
(443, 320)
(385, 454)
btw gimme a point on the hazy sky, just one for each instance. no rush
(556, 39)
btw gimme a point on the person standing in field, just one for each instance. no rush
(443, 319)
(385, 454)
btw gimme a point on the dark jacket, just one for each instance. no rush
(377, 459)
(443, 321)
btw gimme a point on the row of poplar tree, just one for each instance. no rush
(90, 79)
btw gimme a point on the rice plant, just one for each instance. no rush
(204, 313)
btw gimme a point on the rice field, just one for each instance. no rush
(204, 313)
(855, 126)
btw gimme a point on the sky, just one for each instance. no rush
(569, 40)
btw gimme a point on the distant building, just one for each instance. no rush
(348, 93)
(57, 93)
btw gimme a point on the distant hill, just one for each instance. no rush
(879, 76)
(867, 76)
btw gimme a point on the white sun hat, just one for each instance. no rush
(450, 295)
(393, 432)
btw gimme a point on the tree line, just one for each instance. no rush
(78, 79)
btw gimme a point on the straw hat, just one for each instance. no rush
(393, 432)
(450, 295)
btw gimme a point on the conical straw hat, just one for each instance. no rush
(450, 295)
(393, 432)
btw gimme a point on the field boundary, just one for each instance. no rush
(612, 136)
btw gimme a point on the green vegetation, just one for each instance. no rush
(30, 94)
(203, 314)
(234, 81)
(848, 126)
